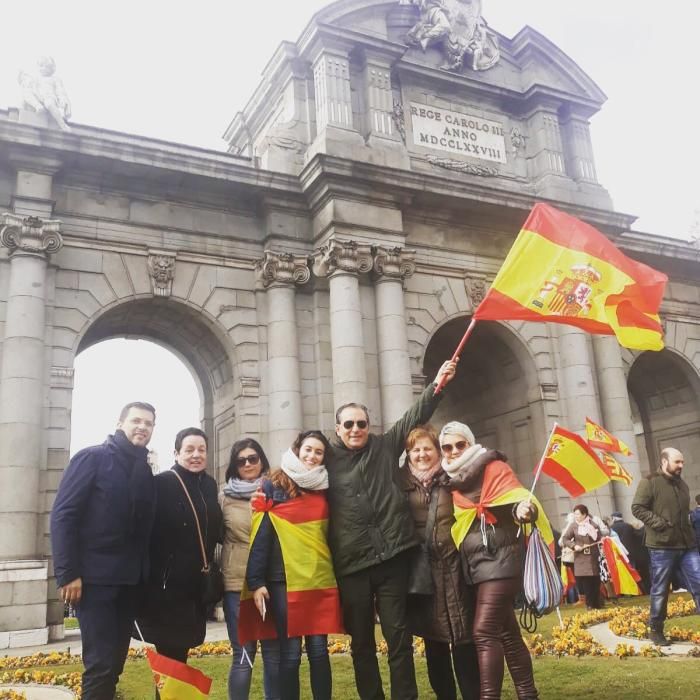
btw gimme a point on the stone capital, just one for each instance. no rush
(349, 257)
(282, 269)
(30, 235)
(394, 263)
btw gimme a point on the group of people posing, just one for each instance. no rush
(342, 533)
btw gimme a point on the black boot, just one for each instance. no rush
(656, 635)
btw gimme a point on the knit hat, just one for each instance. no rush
(456, 428)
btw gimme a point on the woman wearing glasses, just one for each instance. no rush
(247, 467)
(442, 616)
(491, 552)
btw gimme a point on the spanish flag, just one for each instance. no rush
(563, 270)
(601, 439)
(625, 578)
(313, 603)
(615, 470)
(177, 681)
(500, 486)
(570, 461)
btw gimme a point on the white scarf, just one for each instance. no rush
(315, 479)
(464, 461)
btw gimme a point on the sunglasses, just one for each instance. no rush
(361, 424)
(251, 459)
(457, 446)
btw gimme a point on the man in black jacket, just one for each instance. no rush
(100, 528)
(370, 531)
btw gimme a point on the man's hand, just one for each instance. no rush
(446, 372)
(524, 512)
(71, 592)
(260, 598)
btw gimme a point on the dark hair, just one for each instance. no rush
(136, 404)
(238, 446)
(186, 432)
(581, 509)
(352, 404)
(697, 498)
(316, 434)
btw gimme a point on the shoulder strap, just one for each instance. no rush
(432, 514)
(196, 520)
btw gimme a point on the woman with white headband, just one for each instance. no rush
(490, 504)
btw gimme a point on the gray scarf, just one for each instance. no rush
(242, 489)
(464, 461)
(315, 479)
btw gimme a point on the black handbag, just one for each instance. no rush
(420, 577)
(212, 589)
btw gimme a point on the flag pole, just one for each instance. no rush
(541, 464)
(457, 353)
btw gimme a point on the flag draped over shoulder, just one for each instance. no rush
(573, 463)
(561, 269)
(499, 487)
(177, 681)
(313, 603)
(601, 439)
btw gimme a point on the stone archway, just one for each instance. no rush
(496, 392)
(664, 390)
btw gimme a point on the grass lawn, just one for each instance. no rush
(570, 678)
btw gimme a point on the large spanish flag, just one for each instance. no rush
(313, 603)
(561, 269)
(177, 681)
(499, 487)
(601, 439)
(573, 463)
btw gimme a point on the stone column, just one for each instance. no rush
(392, 267)
(616, 413)
(581, 399)
(342, 262)
(279, 273)
(23, 569)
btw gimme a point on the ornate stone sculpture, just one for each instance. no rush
(476, 289)
(162, 271)
(283, 268)
(44, 92)
(30, 235)
(348, 256)
(394, 262)
(458, 28)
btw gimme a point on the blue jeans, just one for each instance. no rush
(241, 671)
(663, 564)
(290, 652)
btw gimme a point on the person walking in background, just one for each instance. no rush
(371, 530)
(582, 536)
(491, 553)
(247, 468)
(444, 616)
(695, 520)
(289, 572)
(662, 503)
(188, 518)
(100, 527)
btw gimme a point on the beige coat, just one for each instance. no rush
(234, 557)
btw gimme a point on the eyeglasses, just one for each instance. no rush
(361, 424)
(457, 446)
(251, 459)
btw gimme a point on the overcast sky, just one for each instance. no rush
(180, 72)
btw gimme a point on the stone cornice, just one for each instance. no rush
(30, 235)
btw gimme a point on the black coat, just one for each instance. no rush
(102, 516)
(172, 613)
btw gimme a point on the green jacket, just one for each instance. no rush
(369, 517)
(662, 503)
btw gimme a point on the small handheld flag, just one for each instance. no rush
(601, 439)
(177, 681)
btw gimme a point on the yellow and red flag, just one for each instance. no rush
(625, 578)
(601, 439)
(313, 602)
(573, 463)
(616, 471)
(561, 269)
(500, 486)
(177, 681)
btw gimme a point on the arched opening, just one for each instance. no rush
(496, 393)
(202, 348)
(664, 388)
(112, 373)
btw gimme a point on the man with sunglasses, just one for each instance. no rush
(370, 533)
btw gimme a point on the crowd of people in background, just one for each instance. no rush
(400, 528)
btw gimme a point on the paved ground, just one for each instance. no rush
(41, 692)
(603, 635)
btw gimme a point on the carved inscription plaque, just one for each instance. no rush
(458, 133)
